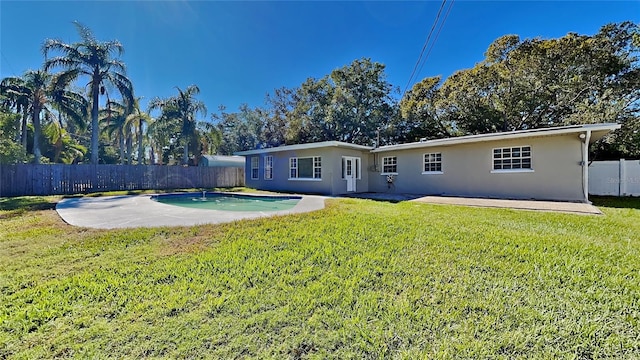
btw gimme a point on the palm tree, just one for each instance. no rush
(44, 92)
(114, 118)
(160, 132)
(138, 118)
(65, 149)
(182, 108)
(97, 61)
(17, 96)
(210, 138)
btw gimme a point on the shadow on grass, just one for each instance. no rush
(15, 206)
(624, 202)
(385, 197)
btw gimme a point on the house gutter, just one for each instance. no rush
(586, 138)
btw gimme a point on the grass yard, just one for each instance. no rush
(359, 279)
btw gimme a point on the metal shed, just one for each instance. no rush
(221, 161)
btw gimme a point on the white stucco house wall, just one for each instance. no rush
(541, 164)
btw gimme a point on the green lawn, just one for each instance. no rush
(359, 279)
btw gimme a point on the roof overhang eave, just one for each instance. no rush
(600, 129)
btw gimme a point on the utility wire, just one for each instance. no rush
(7, 62)
(435, 39)
(424, 47)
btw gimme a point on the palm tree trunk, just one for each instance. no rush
(121, 146)
(58, 150)
(185, 158)
(129, 146)
(95, 91)
(25, 117)
(140, 150)
(152, 156)
(36, 134)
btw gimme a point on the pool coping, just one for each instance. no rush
(133, 211)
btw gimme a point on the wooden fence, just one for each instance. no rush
(29, 179)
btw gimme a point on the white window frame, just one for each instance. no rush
(395, 163)
(268, 167)
(430, 159)
(316, 163)
(498, 154)
(255, 168)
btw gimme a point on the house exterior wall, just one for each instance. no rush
(331, 182)
(467, 171)
(340, 184)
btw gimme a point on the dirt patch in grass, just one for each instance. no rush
(189, 240)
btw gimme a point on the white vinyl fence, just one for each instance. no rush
(615, 178)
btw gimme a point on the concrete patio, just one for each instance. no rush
(533, 205)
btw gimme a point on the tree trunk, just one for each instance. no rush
(129, 146)
(25, 117)
(95, 131)
(58, 150)
(152, 156)
(185, 158)
(36, 134)
(140, 147)
(121, 146)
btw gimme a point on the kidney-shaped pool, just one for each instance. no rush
(228, 202)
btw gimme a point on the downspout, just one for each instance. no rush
(586, 138)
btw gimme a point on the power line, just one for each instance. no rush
(421, 61)
(435, 39)
(424, 47)
(8, 63)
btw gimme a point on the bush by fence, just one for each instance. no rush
(615, 178)
(29, 179)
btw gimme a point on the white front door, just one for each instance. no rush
(350, 173)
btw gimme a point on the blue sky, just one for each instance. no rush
(236, 52)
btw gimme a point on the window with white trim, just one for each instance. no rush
(268, 167)
(390, 165)
(305, 168)
(432, 163)
(255, 163)
(512, 158)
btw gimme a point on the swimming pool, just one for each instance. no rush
(228, 202)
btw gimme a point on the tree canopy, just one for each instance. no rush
(533, 83)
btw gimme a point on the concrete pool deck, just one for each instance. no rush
(130, 211)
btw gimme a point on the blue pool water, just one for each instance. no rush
(228, 202)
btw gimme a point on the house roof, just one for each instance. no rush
(597, 132)
(323, 144)
(223, 157)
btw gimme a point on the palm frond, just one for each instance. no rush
(63, 79)
(85, 33)
(62, 62)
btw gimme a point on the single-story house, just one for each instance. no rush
(542, 164)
